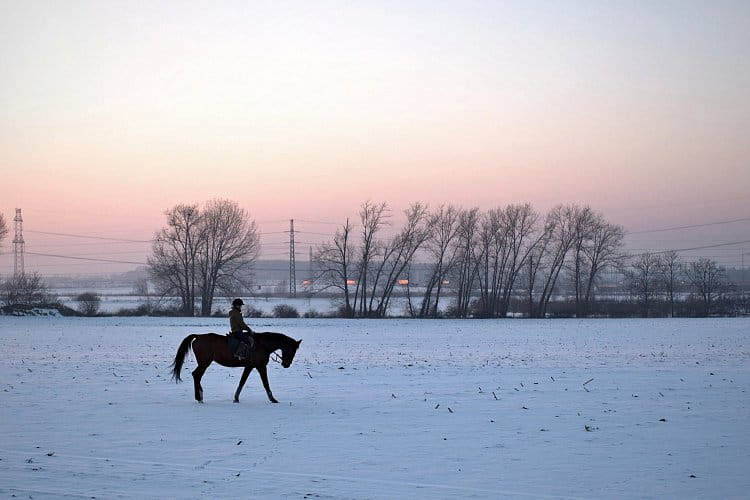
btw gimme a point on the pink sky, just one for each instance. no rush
(111, 113)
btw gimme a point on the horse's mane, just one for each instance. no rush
(273, 336)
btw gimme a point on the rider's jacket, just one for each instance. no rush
(236, 323)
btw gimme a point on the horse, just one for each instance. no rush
(211, 347)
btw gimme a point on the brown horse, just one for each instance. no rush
(211, 347)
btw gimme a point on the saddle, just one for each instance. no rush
(238, 346)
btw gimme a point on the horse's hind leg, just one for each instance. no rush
(243, 379)
(197, 375)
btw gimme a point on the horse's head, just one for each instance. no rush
(288, 351)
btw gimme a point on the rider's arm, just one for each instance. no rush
(236, 322)
(245, 327)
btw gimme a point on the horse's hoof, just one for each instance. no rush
(236, 400)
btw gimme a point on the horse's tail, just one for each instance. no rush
(180, 357)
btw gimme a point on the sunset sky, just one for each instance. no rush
(112, 112)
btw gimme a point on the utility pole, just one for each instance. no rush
(18, 242)
(292, 270)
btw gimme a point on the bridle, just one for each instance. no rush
(274, 356)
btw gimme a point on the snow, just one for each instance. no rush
(380, 409)
(112, 302)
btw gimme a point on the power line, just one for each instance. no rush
(139, 252)
(35, 265)
(90, 237)
(280, 254)
(86, 258)
(131, 240)
(318, 222)
(705, 246)
(319, 234)
(684, 204)
(98, 243)
(725, 252)
(744, 219)
(277, 243)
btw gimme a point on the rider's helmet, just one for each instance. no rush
(237, 303)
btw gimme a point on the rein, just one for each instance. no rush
(273, 356)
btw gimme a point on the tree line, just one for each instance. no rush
(482, 264)
(658, 280)
(482, 257)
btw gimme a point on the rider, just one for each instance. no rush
(239, 329)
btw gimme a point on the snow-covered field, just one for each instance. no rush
(380, 409)
(112, 302)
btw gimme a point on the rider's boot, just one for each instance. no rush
(241, 352)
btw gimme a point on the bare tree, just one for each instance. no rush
(464, 274)
(521, 223)
(373, 267)
(582, 224)
(505, 244)
(372, 218)
(604, 249)
(25, 289)
(397, 256)
(583, 221)
(3, 229)
(141, 289)
(444, 224)
(709, 280)
(335, 265)
(552, 250)
(173, 264)
(229, 246)
(643, 279)
(202, 252)
(88, 303)
(533, 266)
(491, 254)
(670, 271)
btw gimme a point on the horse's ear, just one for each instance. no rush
(299, 342)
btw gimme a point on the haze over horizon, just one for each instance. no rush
(113, 112)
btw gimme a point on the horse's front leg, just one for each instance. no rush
(264, 377)
(243, 379)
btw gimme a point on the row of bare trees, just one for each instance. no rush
(484, 261)
(366, 267)
(482, 257)
(651, 277)
(481, 261)
(203, 251)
